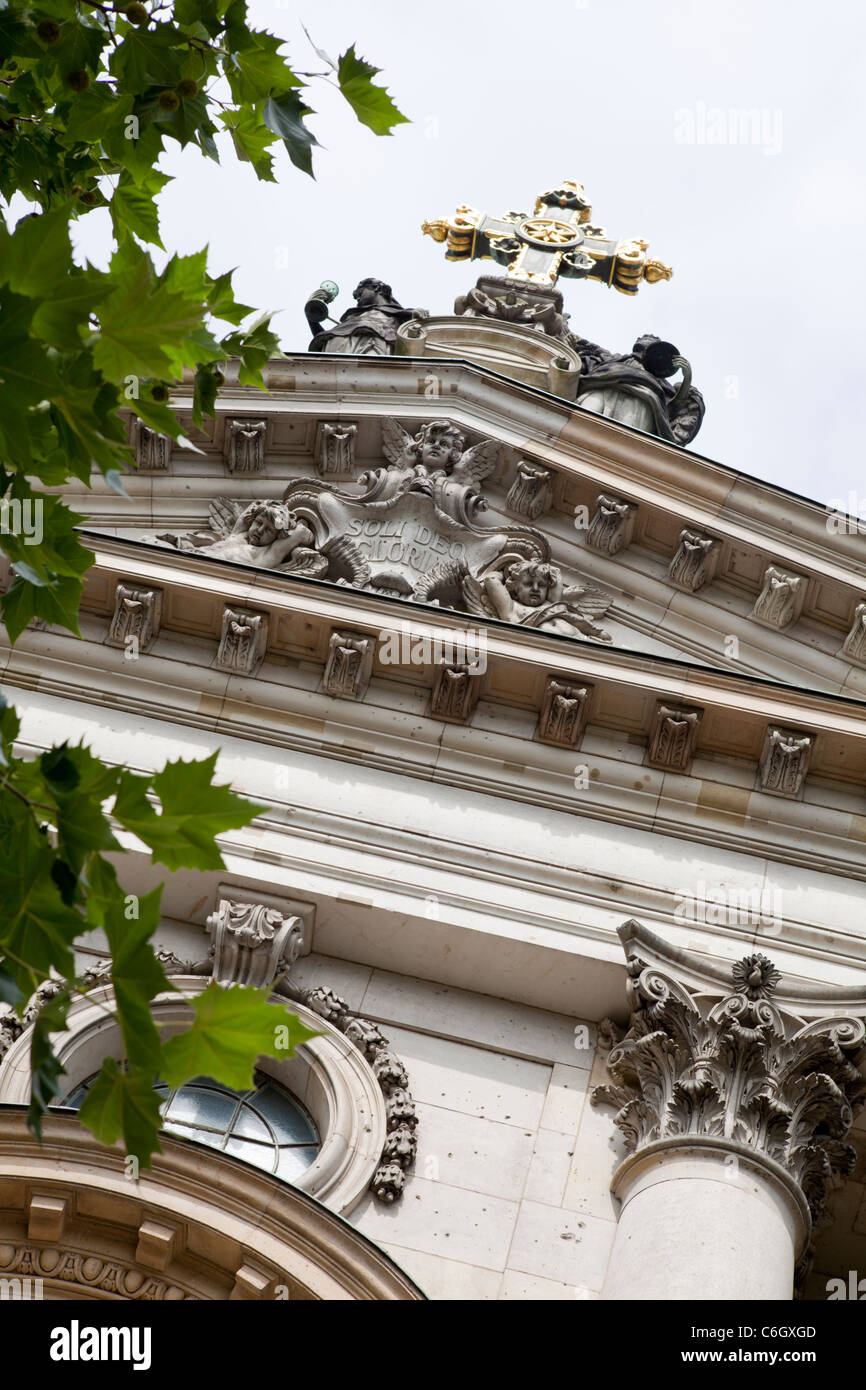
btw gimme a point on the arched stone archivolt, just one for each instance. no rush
(329, 1074)
(198, 1225)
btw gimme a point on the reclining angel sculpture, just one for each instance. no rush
(267, 534)
(532, 594)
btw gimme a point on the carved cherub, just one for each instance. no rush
(435, 462)
(532, 594)
(267, 534)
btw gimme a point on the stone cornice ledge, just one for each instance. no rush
(806, 998)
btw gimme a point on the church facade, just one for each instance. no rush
(560, 731)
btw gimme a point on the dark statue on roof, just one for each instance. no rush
(367, 329)
(557, 240)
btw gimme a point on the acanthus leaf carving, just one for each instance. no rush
(136, 618)
(411, 532)
(738, 1068)
(694, 561)
(563, 715)
(612, 525)
(781, 599)
(243, 641)
(245, 444)
(784, 761)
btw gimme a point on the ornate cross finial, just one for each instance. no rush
(557, 239)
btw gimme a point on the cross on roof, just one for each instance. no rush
(557, 239)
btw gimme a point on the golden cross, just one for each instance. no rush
(558, 239)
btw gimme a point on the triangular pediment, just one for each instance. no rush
(555, 520)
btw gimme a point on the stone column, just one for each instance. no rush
(734, 1111)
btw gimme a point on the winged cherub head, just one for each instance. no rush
(530, 582)
(266, 522)
(438, 445)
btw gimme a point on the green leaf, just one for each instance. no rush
(124, 1105)
(61, 318)
(133, 209)
(284, 115)
(372, 105)
(148, 58)
(258, 69)
(56, 604)
(145, 326)
(231, 1030)
(193, 813)
(251, 139)
(129, 923)
(38, 928)
(38, 254)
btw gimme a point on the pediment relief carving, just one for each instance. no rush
(410, 527)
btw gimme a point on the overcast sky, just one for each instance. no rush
(767, 233)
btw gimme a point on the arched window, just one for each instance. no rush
(264, 1126)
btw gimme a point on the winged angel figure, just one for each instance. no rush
(265, 533)
(531, 593)
(436, 462)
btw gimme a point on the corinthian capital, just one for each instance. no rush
(742, 1060)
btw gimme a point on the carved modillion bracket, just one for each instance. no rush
(531, 493)
(243, 642)
(348, 666)
(244, 444)
(612, 525)
(134, 624)
(455, 692)
(335, 449)
(673, 737)
(257, 937)
(780, 601)
(564, 712)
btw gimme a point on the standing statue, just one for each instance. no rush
(367, 330)
(632, 387)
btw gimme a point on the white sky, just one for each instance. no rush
(767, 239)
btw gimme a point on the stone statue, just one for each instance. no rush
(632, 388)
(369, 329)
(266, 534)
(532, 594)
(436, 462)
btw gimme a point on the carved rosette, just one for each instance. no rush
(733, 1066)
